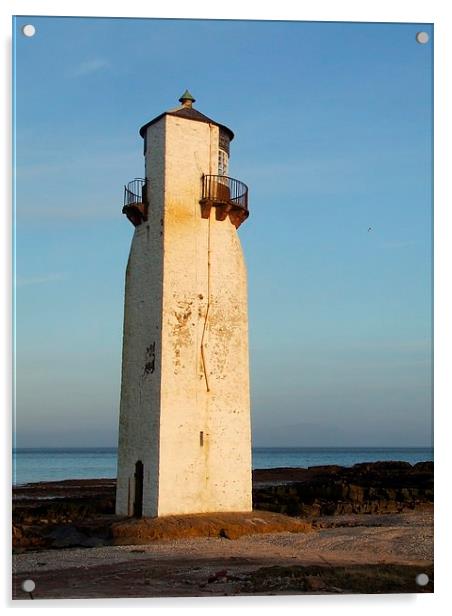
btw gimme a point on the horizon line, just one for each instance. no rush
(115, 447)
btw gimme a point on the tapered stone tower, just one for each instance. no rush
(184, 429)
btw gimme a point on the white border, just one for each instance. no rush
(435, 11)
(323, 10)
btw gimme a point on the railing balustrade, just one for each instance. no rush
(134, 192)
(221, 189)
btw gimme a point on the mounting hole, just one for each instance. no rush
(422, 37)
(422, 579)
(28, 30)
(28, 585)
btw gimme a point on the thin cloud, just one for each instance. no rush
(25, 282)
(90, 66)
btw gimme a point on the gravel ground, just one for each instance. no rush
(401, 539)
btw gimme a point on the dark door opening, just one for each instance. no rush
(138, 502)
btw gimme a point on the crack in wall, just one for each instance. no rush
(203, 357)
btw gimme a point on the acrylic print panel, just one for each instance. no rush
(223, 341)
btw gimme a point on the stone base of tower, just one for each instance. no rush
(231, 525)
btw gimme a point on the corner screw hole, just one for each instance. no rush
(422, 579)
(422, 37)
(28, 30)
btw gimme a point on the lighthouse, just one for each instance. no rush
(184, 426)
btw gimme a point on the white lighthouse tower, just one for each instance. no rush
(184, 429)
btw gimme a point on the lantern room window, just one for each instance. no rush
(222, 163)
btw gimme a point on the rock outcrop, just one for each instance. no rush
(80, 513)
(378, 487)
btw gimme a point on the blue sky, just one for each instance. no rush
(333, 125)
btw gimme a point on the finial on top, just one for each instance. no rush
(187, 99)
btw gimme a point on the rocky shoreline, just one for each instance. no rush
(80, 513)
(377, 487)
(320, 530)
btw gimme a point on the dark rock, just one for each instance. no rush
(387, 465)
(378, 487)
(423, 467)
(326, 468)
(66, 536)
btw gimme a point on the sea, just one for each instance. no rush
(34, 465)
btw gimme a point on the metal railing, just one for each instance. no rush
(221, 189)
(134, 192)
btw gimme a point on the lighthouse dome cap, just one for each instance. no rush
(189, 113)
(187, 96)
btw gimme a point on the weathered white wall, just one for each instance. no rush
(200, 383)
(139, 420)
